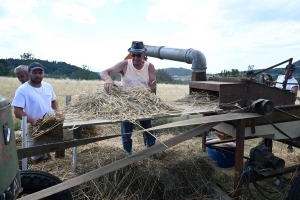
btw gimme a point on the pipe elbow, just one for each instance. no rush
(198, 61)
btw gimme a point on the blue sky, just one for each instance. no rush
(231, 34)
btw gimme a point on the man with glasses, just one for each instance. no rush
(135, 72)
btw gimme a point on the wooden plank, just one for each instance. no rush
(265, 131)
(184, 108)
(207, 119)
(69, 124)
(32, 151)
(120, 163)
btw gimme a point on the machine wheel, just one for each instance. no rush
(294, 193)
(34, 181)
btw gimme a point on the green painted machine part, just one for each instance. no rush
(9, 168)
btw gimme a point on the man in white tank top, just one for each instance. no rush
(134, 72)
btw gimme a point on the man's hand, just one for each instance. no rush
(109, 83)
(37, 121)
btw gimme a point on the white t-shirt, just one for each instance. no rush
(36, 102)
(280, 79)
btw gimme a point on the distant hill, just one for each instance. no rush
(179, 71)
(55, 69)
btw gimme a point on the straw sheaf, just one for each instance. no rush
(51, 129)
(123, 103)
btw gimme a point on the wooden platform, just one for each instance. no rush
(185, 110)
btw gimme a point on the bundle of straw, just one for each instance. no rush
(50, 128)
(123, 103)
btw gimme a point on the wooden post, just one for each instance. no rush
(77, 135)
(204, 141)
(24, 140)
(61, 153)
(239, 158)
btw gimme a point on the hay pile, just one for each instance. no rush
(123, 103)
(204, 99)
(181, 172)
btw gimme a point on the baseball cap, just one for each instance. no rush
(292, 67)
(35, 65)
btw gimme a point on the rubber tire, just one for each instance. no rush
(294, 193)
(34, 181)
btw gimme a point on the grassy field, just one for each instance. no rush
(181, 172)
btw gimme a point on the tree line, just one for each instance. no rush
(61, 70)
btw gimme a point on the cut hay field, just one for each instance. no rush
(180, 172)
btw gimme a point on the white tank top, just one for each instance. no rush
(134, 77)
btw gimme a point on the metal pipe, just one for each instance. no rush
(190, 56)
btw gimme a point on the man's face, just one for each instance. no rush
(137, 59)
(36, 76)
(22, 76)
(290, 74)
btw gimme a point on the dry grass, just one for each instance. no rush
(180, 172)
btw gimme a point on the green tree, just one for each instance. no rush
(4, 67)
(27, 56)
(84, 73)
(235, 72)
(250, 67)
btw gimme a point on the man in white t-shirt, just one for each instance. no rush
(292, 85)
(34, 99)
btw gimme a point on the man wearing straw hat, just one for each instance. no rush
(34, 99)
(135, 72)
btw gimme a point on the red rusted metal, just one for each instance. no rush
(241, 92)
(269, 144)
(199, 76)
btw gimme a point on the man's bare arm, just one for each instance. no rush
(152, 78)
(106, 74)
(19, 113)
(54, 105)
(295, 90)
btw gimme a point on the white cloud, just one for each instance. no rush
(91, 3)
(232, 32)
(16, 7)
(73, 12)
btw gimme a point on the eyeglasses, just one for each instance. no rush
(138, 55)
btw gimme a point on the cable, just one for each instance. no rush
(247, 179)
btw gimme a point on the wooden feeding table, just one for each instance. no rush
(73, 128)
